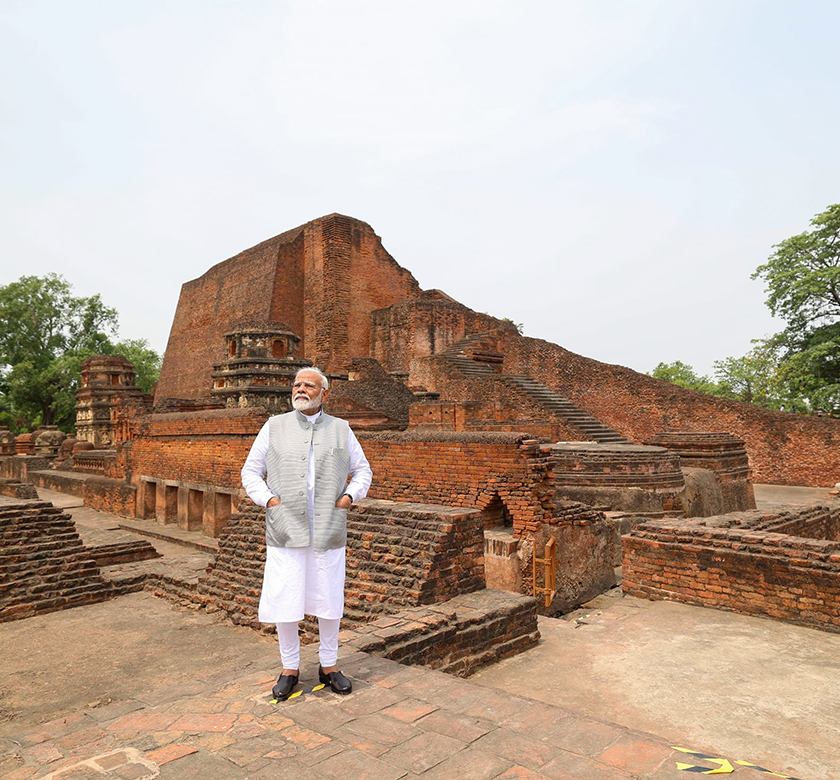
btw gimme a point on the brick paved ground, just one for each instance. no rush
(170, 719)
(399, 722)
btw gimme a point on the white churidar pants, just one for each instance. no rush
(289, 639)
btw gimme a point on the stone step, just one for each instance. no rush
(571, 413)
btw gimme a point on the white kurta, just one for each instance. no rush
(300, 580)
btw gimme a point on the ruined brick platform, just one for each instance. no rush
(415, 570)
(45, 566)
(783, 564)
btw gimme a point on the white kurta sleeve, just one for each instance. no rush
(253, 472)
(360, 473)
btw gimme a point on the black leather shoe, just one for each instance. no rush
(336, 680)
(285, 685)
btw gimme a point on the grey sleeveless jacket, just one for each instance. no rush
(287, 468)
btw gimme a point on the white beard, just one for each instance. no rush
(307, 404)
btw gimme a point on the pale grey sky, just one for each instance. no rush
(608, 173)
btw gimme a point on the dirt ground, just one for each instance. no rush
(89, 656)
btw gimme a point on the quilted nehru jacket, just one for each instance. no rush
(290, 437)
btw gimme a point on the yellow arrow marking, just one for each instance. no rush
(725, 767)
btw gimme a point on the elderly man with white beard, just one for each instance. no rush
(298, 468)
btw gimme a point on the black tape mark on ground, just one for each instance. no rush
(298, 694)
(723, 769)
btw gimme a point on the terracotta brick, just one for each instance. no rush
(200, 722)
(170, 753)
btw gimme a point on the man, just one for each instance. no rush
(298, 468)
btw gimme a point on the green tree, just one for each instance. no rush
(146, 361)
(803, 274)
(802, 279)
(679, 373)
(755, 377)
(811, 365)
(45, 334)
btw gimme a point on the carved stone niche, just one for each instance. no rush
(260, 367)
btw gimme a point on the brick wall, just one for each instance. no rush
(321, 279)
(398, 555)
(198, 447)
(17, 489)
(409, 331)
(783, 448)
(406, 554)
(459, 636)
(467, 470)
(746, 562)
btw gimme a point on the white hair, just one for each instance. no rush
(325, 383)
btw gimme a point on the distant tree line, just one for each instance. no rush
(799, 368)
(45, 334)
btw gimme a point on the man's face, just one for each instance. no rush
(307, 392)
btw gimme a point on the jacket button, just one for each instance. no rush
(303, 457)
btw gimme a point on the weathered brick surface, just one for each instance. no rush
(17, 489)
(401, 555)
(207, 447)
(398, 555)
(783, 448)
(783, 564)
(322, 279)
(458, 636)
(18, 466)
(619, 476)
(45, 566)
(470, 470)
(424, 326)
(722, 454)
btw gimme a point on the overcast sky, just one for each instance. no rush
(607, 173)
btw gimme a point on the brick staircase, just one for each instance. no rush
(45, 566)
(572, 414)
(458, 355)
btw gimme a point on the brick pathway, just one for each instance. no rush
(399, 722)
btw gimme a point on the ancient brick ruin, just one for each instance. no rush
(46, 567)
(783, 564)
(107, 385)
(488, 447)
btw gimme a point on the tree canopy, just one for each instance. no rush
(798, 368)
(45, 334)
(802, 279)
(682, 374)
(802, 275)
